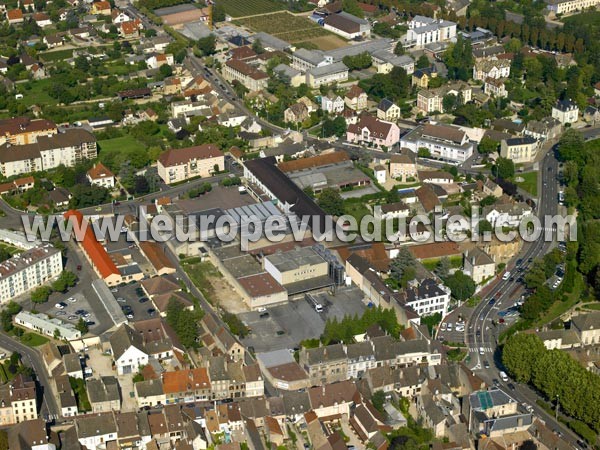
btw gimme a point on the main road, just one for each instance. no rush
(481, 330)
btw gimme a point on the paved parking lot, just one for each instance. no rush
(298, 320)
(68, 314)
(132, 299)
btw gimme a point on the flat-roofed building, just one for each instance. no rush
(43, 324)
(328, 74)
(296, 265)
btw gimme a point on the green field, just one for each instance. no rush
(126, 144)
(285, 26)
(530, 184)
(236, 8)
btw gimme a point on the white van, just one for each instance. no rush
(506, 276)
(503, 376)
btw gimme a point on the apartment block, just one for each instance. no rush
(443, 142)
(28, 270)
(48, 151)
(180, 164)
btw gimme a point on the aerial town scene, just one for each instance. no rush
(299, 224)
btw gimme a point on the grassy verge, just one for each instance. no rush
(456, 354)
(530, 182)
(560, 307)
(33, 340)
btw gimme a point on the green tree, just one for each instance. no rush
(82, 326)
(459, 59)
(401, 264)
(258, 47)
(461, 285)
(487, 146)
(331, 202)
(423, 62)
(351, 7)
(41, 294)
(570, 145)
(64, 281)
(183, 322)
(504, 168)
(442, 268)
(334, 127)
(358, 62)
(207, 45)
(399, 49)
(378, 400)
(520, 355)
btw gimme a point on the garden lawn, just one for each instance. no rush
(33, 340)
(125, 144)
(38, 94)
(58, 55)
(530, 183)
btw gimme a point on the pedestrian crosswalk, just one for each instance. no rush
(476, 349)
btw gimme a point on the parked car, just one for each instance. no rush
(71, 299)
(60, 305)
(143, 300)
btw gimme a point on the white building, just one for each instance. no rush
(506, 215)
(443, 142)
(43, 324)
(100, 175)
(331, 73)
(347, 25)
(570, 6)
(565, 111)
(128, 350)
(332, 105)
(426, 298)
(425, 30)
(479, 265)
(491, 68)
(28, 270)
(95, 430)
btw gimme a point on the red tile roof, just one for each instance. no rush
(95, 251)
(185, 380)
(99, 171)
(435, 250)
(14, 14)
